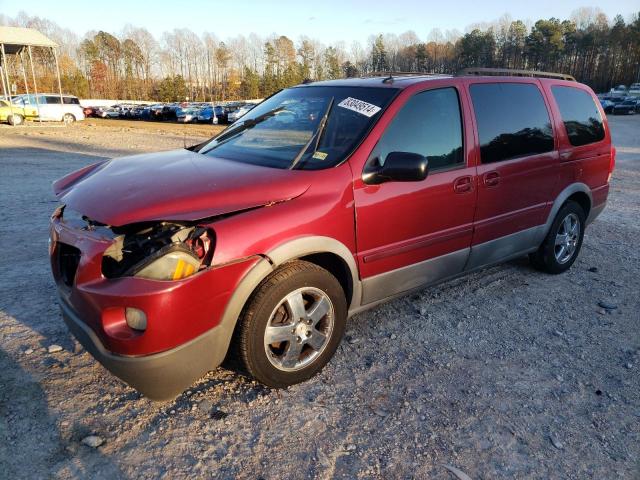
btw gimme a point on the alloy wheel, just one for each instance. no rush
(299, 329)
(567, 238)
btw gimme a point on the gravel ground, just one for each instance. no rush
(507, 373)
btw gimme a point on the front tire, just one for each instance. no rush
(291, 326)
(562, 244)
(15, 119)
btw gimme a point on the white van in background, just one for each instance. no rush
(50, 108)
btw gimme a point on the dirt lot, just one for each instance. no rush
(507, 373)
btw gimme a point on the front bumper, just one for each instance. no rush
(160, 376)
(184, 337)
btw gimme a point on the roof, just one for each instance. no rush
(16, 38)
(44, 93)
(403, 79)
(399, 81)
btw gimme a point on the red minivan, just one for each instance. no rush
(326, 199)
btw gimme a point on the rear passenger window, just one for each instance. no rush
(71, 100)
(428, 124)
(50, 99)
(512, 119)
(579, 114)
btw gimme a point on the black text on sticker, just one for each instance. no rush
(359, 106)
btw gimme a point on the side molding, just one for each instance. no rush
(505, 248)
(403, 279)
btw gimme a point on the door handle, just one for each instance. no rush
(463, 184)
(491, 179)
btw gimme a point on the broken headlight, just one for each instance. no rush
(162, 251)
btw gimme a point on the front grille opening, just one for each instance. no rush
(68, 260)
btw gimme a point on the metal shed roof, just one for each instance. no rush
(16, 38)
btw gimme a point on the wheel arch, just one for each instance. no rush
(325, 252)
(578, 192)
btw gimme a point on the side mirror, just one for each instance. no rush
(399, 167)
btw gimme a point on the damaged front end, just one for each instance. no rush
(158, 251)
(162, 250)
(139, 298)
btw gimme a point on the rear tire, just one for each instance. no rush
(68, 118)
(15, 119)
(562, 244)
(291, 325)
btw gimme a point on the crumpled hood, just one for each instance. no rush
(174, 185)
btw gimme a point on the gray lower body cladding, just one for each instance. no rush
(159, 376)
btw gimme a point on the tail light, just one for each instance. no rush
(612, 163)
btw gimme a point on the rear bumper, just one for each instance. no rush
(599, 198)
(595, 212)
(160, 376)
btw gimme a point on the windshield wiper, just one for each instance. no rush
(233, 132)
(317, 135)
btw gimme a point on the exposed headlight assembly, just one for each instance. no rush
(171, 264)
(163, 251)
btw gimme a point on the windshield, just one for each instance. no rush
(311, 127)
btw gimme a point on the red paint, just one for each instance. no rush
(386, 226)
(174, 185)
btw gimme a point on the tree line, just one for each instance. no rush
(134, 64)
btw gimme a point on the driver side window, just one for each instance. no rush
(428, 124)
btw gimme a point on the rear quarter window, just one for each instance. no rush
(512, 119)
(580, 115)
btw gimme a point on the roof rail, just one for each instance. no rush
(391, 74)
(507, 72)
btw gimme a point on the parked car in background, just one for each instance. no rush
(125, 110)
(229, 108)
(109, 112)
(628, 106)
(206, 114)
(187, 115)
(144, 113)
(243, 247)
(222, 114)
(12, 114)
(607, 105)
(211, 114)
(49, 107)
(620, 91)
(235, 115)
(155, 112)
(634, 90)
(170, 112)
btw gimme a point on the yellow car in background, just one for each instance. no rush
(11, 114)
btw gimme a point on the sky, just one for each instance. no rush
(327, 20)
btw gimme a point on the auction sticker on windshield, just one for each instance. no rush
(359, 106)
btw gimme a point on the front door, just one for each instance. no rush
(413, 233)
